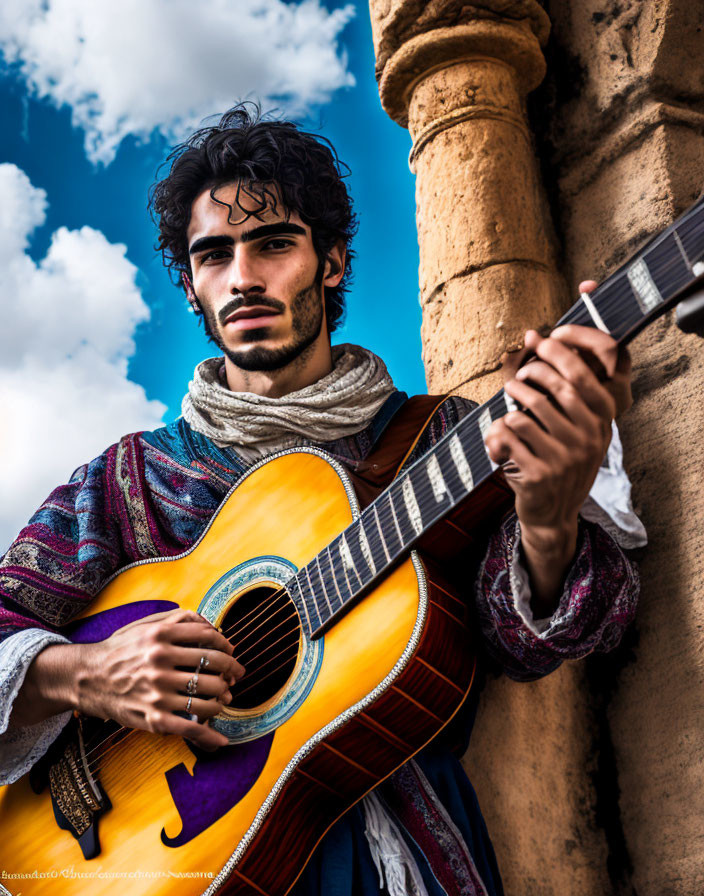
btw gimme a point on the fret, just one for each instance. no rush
(364, 545)
(380, 553)
(328, 590)
(312, 574)
(485, 421)
(339, 564)
(496, 406)
(411, 503)
(346, 558)
(387, 516)
(617, 305)
(312, 617)
(668, 266)
(398, 506)
(455, 486)
(338, 585)
(359, 561)
(437, 481)
(459, 458)
(471, 433)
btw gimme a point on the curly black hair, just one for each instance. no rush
(259, 152)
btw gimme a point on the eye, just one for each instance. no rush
(214, 255)
(277, 244)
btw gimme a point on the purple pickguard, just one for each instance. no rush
(219, 780)
(102, 625)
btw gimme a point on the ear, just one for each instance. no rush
(335, 265)
(190, 293)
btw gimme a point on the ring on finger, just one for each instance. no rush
(188, 704)
(203, 664)
(192, 686)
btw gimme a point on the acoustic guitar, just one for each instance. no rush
(358, 652)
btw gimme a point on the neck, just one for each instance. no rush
(311, 365)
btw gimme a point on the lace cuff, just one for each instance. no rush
(20, 748)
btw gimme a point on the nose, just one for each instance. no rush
(245, 275)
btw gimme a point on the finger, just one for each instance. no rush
(204, 709)
(504, 446)
(218, 662)
(204, 736)
(570, 366)
(591, 342)
(201, 633)
(541, 444)
(542, 405)
(206, 686)
(561, 391)
(588, 285)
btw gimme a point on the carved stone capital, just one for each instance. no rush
(413, 39)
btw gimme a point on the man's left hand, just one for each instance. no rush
(577, 383)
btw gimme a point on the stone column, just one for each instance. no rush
(457, 76)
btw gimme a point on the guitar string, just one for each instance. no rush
(615, 296)
(281, 595)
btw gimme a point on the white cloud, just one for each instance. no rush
(67, 332)
(136, 66)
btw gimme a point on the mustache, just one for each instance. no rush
(248, 302)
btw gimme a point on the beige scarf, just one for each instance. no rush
(339, 404)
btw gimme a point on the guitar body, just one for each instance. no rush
(355, 704)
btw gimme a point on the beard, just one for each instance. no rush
(306, 324)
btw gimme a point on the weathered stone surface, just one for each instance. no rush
(657, 713)
(531, 759)
(473, 319)
(625, 140)
(395, 22)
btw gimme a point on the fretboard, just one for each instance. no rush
(635, 295)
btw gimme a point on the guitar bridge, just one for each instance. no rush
(77, 798)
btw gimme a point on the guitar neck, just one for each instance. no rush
(636, 294)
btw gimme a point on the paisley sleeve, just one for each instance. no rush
(54, 568)
(597, 603)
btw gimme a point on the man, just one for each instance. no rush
(255, 219)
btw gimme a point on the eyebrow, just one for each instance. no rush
(256, 233)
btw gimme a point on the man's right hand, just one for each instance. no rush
(136, 677)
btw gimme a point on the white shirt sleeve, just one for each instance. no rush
(20, 748)
(609, 505)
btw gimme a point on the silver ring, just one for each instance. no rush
(188, 705)
(203, 664)
(192, 685)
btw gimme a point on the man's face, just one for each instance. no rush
(258, 280)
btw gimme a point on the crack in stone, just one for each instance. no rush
(475, 268)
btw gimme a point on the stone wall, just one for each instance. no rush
(591, 780)
(622, 141)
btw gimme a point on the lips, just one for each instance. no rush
(251, 317)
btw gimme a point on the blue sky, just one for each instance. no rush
(91, 133)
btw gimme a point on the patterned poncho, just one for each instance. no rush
(152, 494)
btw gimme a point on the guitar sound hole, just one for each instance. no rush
(264, 628)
